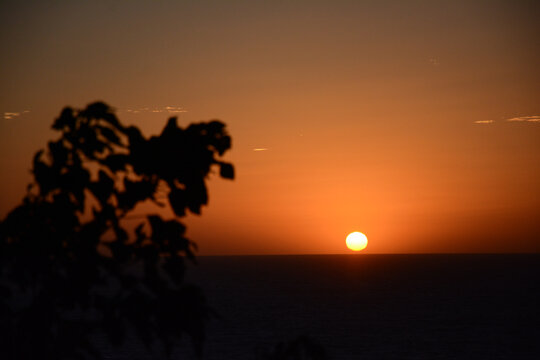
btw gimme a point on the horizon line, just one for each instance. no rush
(368, 254)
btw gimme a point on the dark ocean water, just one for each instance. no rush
(373, 306)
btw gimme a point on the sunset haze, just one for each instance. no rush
(414, 122)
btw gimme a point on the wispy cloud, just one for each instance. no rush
(175, 109)
(517, 119)
(483, 122)
(159, 109)
(14, 114)
(531, 118)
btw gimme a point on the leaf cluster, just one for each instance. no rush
(66, 245)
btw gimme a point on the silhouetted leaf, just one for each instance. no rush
(116, 162)
(75, 180)
(58, 152)
(135, 191)
(103, 188)
(109, 134)
(170, 129)
(66, 120)
(97, 110)
(196, 196)
(178, 201)
(223, 144)
(46, 177)
(226, 170)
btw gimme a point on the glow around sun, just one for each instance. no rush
(356, 241)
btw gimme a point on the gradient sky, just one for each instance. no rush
(415, 122)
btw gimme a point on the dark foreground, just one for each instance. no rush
(371, 306)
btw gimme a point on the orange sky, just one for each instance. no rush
(417, 123)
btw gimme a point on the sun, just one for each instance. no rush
(356, 241)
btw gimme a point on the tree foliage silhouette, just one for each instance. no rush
(65, 250)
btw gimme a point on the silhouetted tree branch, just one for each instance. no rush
(65, 247)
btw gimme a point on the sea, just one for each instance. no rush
(428, 306)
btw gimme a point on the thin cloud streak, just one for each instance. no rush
(532, 118)
(483, 122)
(517, 119)
(12, 115)
(160, 109)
